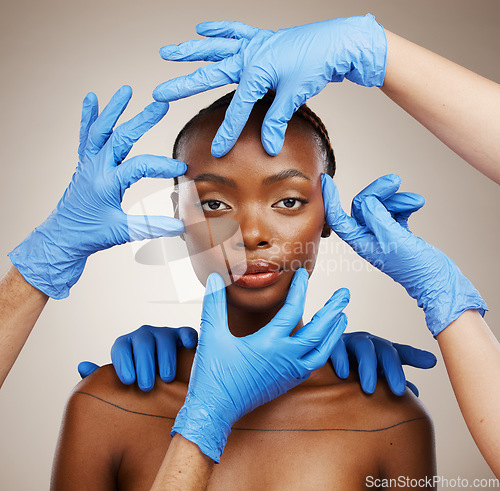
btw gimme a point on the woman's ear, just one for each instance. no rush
(326, 231)
(174, 196)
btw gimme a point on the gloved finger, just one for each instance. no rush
(315, 331)
(128, 133)
(226, 29)
(382, 188)
(413, 388)
(188, 337)
(390, 363)
(214, 311)
(276, 120)
(361, 347)
(340, 359)
(85, 368)
(346, 227)
(140, 227)
(402, 205)
(247, 94)
(103, 126)
(387, 231)
(133, 169)
(415, 357)
(123, 360)
(318, 356)
(290, 314)
(205, 78)
(166, 348)
(144, 350)
(202, 50)
(90, 111)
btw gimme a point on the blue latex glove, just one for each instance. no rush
(297, 63)
(138, 351)
(377, 357)
(231, 376)
(89, 217)
(428, 275)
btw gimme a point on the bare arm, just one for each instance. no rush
(20, 307)
(460, 107)
(472, 357)
(185, 467)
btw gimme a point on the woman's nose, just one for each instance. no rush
(255, 231)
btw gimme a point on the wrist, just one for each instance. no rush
(184, 467)
(198, 423)
(456, 295)
(45, 265)
(368, 47)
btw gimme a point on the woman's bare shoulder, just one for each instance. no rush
(403, 431)
(392, 407)
(107, 424)
(104, 388)
(398, 430)
(381, 412)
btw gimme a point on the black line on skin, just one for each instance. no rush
(123, 409)
(257, 429)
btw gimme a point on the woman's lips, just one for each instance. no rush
(258, 274)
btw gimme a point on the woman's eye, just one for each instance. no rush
(213, 205)
(290, 203)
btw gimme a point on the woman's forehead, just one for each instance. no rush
(300, 150)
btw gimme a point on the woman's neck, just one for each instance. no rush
(243, 323)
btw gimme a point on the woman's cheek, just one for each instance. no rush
(211, 247)
(297, 247)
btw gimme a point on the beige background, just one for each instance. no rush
(53, 52)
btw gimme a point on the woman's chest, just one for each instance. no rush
(294, 458)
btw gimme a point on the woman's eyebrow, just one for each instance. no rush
(226, 181)
(284, 174)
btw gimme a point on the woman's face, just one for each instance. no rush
(254, 219)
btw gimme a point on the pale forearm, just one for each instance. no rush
(184, 468)
(458, 106)
(20, 307)
(472, 357)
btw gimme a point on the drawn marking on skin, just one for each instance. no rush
(260, 429)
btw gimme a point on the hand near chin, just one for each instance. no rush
(231, 375)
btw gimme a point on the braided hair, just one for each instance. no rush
(304, 112)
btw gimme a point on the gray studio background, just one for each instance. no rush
(54, 52)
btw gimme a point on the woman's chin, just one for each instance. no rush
(256, 300)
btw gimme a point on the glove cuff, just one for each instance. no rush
(451, 301)
(196, 423)
(369, 48)
(35, 259)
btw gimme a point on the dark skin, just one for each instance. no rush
(325, 433)
(278, 207)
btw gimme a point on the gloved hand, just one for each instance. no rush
(138, 351)
(428, 275)
(89, 217)
(377, 357)
(231, 376)
(297, 63)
